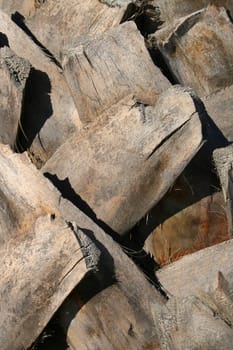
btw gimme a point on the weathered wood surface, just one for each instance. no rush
(198, 321)
(140, 166)
(38, 271)
(26, 7)
(49, 112)
(41, 256)
(114, 170)
(111, 309)
(199, 50)
(192, 213)
(199, 313)
(223, 158)
(63, 23)
(171, 10)
(108, 321)
(19, 202)
(198, 271)
(14, 72)
(103, 69)
(42, 262)
(219, 107)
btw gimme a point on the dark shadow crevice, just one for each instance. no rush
(130, 247)
(52, 337)
(147, 20)
(3, 40)
(67, 192)
(146, 17)
(230, 15)
(36, 109)
(160, 62)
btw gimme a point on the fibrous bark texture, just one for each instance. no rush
(171, 10)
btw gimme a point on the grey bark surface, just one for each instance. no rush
(26, 7)
(199, 51)
(103, 69)
(14, 72)
(41, 257)
(223, 158)
(115, 136)
(173, 9)
(62, 21)
(50, 249)
(110, 320)
(118, 316)
(198, 271)
(137, 165)
(38, 270)
(54, 113)
(219, 107)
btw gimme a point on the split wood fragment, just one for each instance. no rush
(198, 49)
(103, 69)
(55, 115)
(48, 250)
(120, 181)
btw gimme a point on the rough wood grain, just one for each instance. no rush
(14, 72)
(41, 263)
(197, 321)
(199, 51)
(47, 96)
(103, 69)
(198, 271)
(62, 21)
(26, 7)
(109, 321)
(204, 315)
(140, 165)
(219, 107)
(41, 256)
(171, 10)
(223, 158)
(200, 315)
(113, 308)
(38, 270)
(22, 202)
